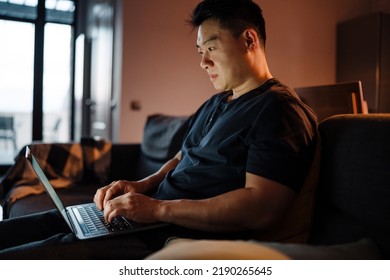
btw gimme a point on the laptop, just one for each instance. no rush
(85, 220)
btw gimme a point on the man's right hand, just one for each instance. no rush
(113, 190)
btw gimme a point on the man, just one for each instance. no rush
(245, 156)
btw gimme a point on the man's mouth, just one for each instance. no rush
(213, 77)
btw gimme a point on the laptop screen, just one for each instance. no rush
(46, 184)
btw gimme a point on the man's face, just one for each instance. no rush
(223, 56)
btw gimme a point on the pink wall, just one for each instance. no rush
(161, 66)
(302, 37)
(160, 63)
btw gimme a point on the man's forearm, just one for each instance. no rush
(241, 209)
(217, 214)
(228, 212)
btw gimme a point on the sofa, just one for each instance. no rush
(341, 213)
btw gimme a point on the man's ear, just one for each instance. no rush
(251, 39)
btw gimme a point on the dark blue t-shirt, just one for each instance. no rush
(268, 132)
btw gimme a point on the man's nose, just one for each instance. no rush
(206, 62)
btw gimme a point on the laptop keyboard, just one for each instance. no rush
(92, 221)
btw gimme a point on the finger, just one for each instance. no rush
(98, 198)
(110, 212)
(111, 192)
(111, 216)
(106, 212)
(100, 195)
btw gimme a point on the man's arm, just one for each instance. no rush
(256, 206)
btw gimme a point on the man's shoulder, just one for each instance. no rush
(280, 88)
(280, 92)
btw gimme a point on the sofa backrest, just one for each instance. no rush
(162, 139)
(354, 182)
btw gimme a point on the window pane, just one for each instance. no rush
(57, 82)
(16, 87)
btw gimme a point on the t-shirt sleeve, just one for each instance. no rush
(281, 146)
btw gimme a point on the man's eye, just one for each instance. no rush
(210, 49)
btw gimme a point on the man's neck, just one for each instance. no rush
(250, 85)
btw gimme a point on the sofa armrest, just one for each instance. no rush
(124, 160)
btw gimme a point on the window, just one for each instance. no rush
(37, 68)
(16, 87)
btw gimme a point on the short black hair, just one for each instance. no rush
(233, 15)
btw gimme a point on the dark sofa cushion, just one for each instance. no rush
(163, 136)
(162, 139)
(354, 190)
